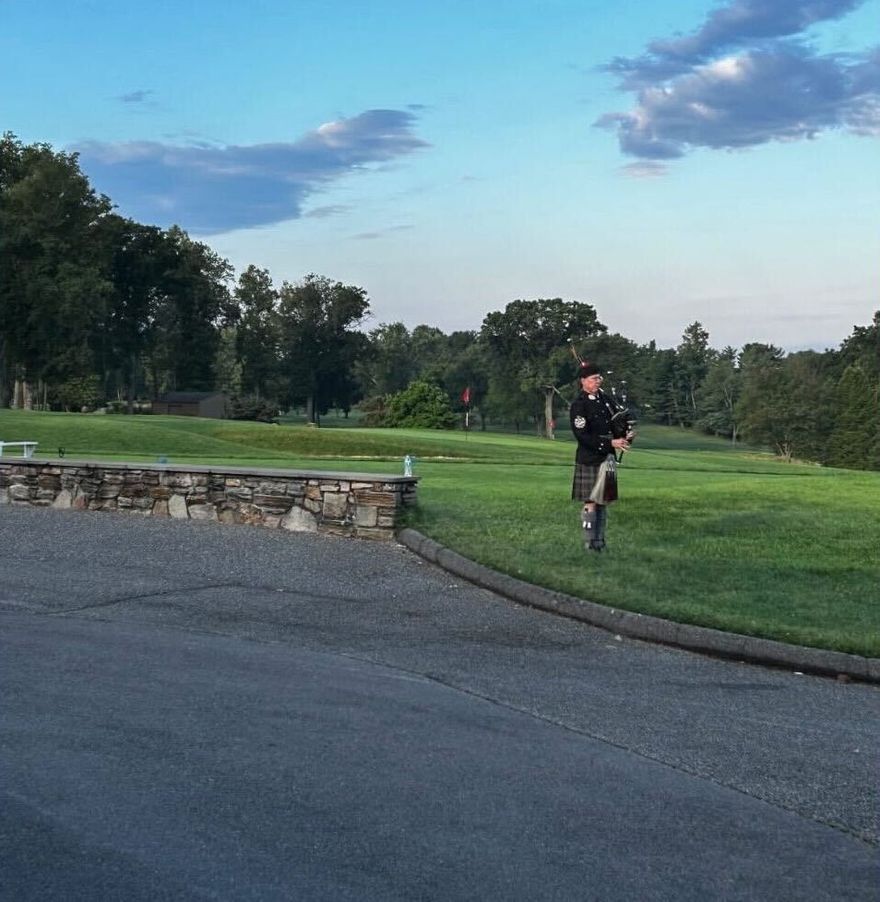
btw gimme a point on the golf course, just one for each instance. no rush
(704, 532)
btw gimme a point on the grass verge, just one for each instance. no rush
(703, 534)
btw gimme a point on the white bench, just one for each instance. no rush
(27, 448)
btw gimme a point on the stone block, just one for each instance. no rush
(19, 493)
(248, 514)
(202, 512)
(273, 504)
(177, 507)
(299, 520)
(379, 499)
(335, 529)
(160, 508)
(366, 515)
(374, 533)
(335, 506)
(160, 492)
(271, 488)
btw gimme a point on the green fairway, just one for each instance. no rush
(705, 534)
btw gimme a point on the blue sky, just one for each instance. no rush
(666, 162)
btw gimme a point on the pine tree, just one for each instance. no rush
(854, 425)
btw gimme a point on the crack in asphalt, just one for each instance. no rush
(186, 590)
(866, 838)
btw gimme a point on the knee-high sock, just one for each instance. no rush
(601, 520)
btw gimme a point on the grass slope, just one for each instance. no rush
(705, 534)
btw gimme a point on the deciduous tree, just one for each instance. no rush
(319, 342)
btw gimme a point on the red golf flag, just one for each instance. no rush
(466, 396)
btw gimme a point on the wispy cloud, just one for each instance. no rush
(380, 233)
(744, 78)
(208, 189)
(645, 169)
(141, 96)
(327, 211)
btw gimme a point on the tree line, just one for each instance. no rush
(98, 309)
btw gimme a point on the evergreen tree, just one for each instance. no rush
(855, 428)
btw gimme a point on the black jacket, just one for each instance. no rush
(590, 417)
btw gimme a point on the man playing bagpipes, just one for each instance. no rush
(602, 430)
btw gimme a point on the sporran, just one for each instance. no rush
(605, 489)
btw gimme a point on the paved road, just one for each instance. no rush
(201, 712)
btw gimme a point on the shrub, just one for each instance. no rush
(373, 410)
(248, 407)
(422, 405)
(80, 393)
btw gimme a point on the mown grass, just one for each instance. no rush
(705, 534)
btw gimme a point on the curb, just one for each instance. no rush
(642, 626)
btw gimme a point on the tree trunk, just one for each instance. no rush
(4, 383)
(549, 422)
(24, 399)
(312, 409)
(132, 375)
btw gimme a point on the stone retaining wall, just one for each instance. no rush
(351, 504)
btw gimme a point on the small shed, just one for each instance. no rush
(193, 404)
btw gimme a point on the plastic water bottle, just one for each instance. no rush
(407, 465)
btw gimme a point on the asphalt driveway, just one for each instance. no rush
(193, 711)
